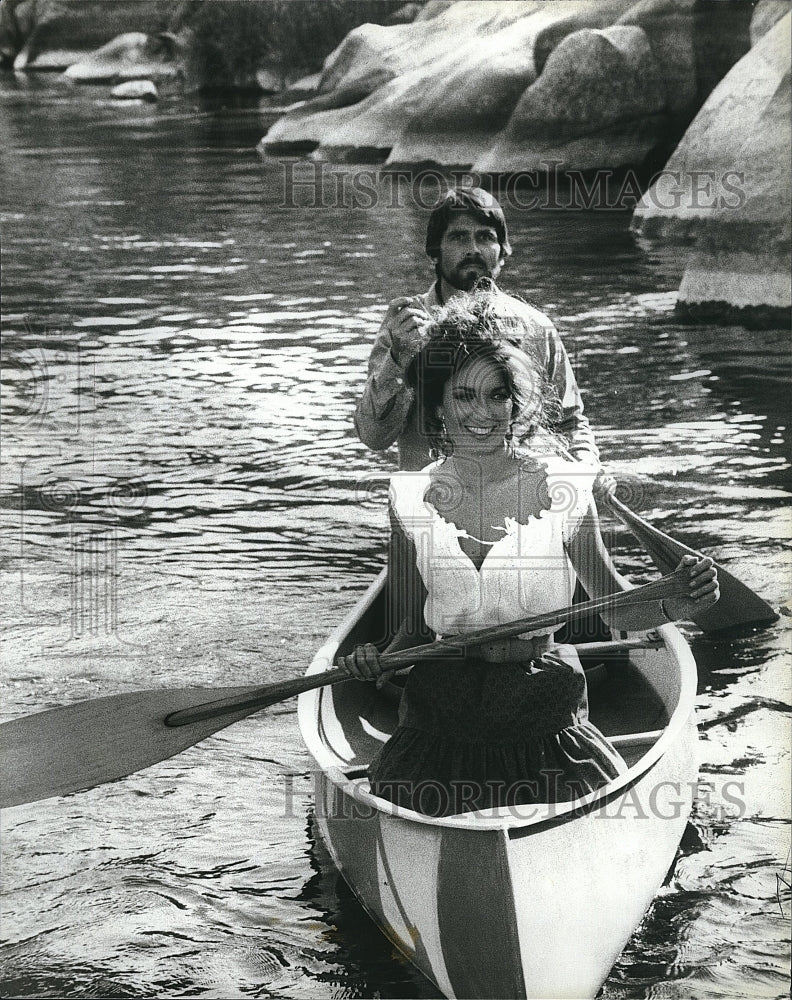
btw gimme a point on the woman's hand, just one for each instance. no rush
(703, 583)
(365, 664)
(604, 485)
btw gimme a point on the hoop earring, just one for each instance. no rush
(442, 446)
(508, 439)
(445, 441)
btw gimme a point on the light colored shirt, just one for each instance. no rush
(526, 572)
(386, 412)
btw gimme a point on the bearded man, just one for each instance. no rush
(468, 242)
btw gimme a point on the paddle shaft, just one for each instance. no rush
(737, 605)
(673, 585)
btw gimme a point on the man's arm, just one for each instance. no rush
(382, 410)
(573, 424)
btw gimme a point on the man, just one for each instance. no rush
(467, 239)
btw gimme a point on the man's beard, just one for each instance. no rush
(465, 275)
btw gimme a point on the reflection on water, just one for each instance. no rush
(185, 502)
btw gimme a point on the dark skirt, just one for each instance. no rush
(475, 735)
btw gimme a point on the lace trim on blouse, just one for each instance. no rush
(525, 572)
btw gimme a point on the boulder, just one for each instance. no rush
(269, 80)
(450, 133)
(727, 185)
(668, 25)
(466, 84)
(373, 79)
(405, 14)
(373, 54)
(721, 37)
(433, 8)
(439, 88)
(470, 97)
(721, 279)
(367, 131)
(766, 14)
(599, 102)
(740, 140)
(306, 84)
(53, 34)
(133, 55)
(135, 90)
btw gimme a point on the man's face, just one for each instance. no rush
(469, 250)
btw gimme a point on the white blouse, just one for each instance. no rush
(526, 572)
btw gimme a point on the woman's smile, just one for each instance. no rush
(477, 404)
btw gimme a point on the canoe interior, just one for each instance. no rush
(627, 694)
(459, 895)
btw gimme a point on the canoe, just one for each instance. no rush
(529, 901)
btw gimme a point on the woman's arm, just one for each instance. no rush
(596, 572)
(406, 597)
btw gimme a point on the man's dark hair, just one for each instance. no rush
(476, 202)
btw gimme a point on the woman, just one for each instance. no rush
(498, 529)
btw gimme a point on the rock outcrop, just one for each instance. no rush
(669, 26)
(135, 90)
(131, 56)
(54, 34)
(216, 44)
(600, 101)
(766, 14)
(462, 109)
(726, 186)
(508, 85)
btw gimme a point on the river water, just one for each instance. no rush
(184, 502)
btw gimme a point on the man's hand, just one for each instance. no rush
(408, 321)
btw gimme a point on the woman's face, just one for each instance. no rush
(477, 406)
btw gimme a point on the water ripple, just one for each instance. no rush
(185, 502)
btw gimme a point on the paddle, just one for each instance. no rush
(91, 742)
(737, 605)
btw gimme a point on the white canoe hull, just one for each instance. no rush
(529, 902)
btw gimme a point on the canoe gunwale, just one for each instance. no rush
(505, 818)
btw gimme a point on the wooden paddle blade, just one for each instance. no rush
(737, 605)
(91, 742)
